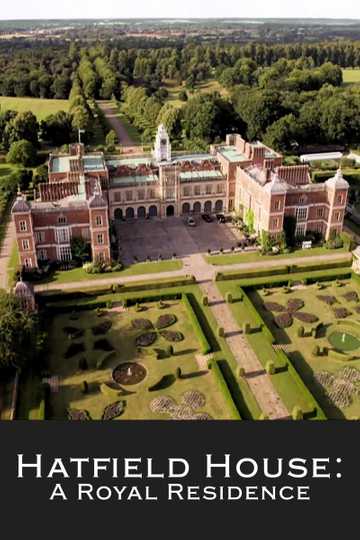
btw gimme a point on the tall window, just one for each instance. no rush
(64, 253)
(301, 214)
(28, 263)
(62, 220)
(129, 195)
(100, 239)
(22, 226)
(197, 190)
(141, 194)
(62, 235)
(340, 199)
(300, 229)
(187, 191)
(220, 188)
(151, 194)
(117, 196)
(320, 212)
(98, 221)
(40, 237)
(208, 189)
(25, 245)
(42, 254)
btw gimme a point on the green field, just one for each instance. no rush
(40, 107)
(203, 88)
(351, 76)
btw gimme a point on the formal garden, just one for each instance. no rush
(134, 356)
(306, 332)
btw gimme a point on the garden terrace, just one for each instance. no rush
(173, 367)
(309, 366)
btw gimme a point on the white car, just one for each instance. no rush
(191, 222)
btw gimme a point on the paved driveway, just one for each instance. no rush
(151, 238)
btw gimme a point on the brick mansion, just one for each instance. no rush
(84, 192)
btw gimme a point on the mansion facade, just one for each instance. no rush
(84, 192)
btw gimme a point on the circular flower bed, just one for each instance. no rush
(141, 324)
(145, 340)
(343, 341)
(173, 337)
(129, 373)
(166, 320)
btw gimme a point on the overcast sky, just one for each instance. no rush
(67, 9)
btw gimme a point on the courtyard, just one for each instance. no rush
(166, 237)
(131, 363)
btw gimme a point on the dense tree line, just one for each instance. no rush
(48, 70)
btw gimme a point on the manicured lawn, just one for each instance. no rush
(238, 258)
(301, 349)
(351, 76)
(122, 338)
(40, 107)
(78, 274)
(13, 264)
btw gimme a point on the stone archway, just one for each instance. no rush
(130, 213)
(197, 208)
(153, 211)
(118, 214)
(186, 208)
(208, 207)
(219, 206)
(170, 210)
(141, 212)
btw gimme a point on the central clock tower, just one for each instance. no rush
(162, 148)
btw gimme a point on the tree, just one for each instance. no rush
(80, 249)
(111, 138)
(18, 333)
(22, 126)
(281, 135)
(57, 129)
(22, 153)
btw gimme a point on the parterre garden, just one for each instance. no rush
(138, 357)
(306, 332)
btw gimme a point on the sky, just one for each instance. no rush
(67, 9)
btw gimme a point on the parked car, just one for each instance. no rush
(220, 218)
(207, 218)
(191, 222)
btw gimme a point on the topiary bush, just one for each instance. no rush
(205, 300)
(301, 331)
(221, 332)
(270, 367)
(316, 350)
(228, 298)
(165, 382)
(297, 414)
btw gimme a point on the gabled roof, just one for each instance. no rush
(20, 205)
